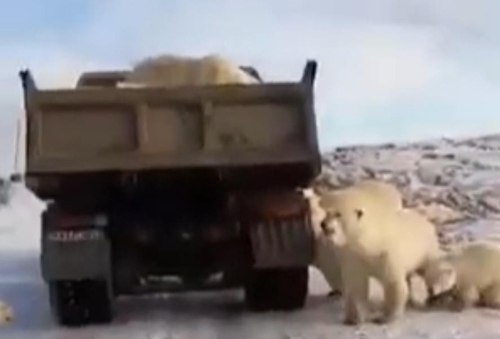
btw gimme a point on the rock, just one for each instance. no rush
(388, 146)
(428, 176)
(429, 156)
(490, 202)
(428, 147)
(439, 214)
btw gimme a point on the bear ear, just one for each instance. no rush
(359, 213)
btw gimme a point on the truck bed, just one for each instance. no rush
(133, 129)
(94, 129)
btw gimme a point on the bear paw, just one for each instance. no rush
(334, 294)
(384, 319)
(353, 319)
(457, 305)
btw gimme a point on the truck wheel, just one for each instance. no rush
(126, 275)
(277, 289)
(194, 280)
(84, 302)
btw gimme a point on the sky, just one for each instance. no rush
(389, 70)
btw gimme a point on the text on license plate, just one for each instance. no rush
(75, 236)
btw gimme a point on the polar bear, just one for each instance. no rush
(174, 70)
(317, 212)
(6, 313)
(385, 192)
(326, 260)
(469, 274)
(376, 240)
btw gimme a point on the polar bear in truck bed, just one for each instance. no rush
(376, 240)
(175, 71)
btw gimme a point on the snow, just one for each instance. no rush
(468, 185)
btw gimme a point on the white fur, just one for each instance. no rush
(385, 192)
(325, 258)
(174, 71)
(317, 213)
(471, 273)
(379, 240)
(6, 313)
(369, 192)
(327, 262)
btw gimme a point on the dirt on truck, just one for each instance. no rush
(155, 189)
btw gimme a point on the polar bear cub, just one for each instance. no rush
(469, 274)
(379, 241)
(6, 313)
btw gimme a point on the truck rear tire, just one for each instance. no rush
(282, 289)
(76, 303)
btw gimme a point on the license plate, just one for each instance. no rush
(75, 236)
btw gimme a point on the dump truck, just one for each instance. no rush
(167, 190)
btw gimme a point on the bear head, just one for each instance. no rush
(440, 276)
(347, 216)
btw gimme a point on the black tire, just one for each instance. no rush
(126, 275)
(277, 289)
(233, 277)
(76, 303)
(194, 280)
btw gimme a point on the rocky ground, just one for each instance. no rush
(455, 183)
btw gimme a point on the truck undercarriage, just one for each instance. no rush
(176, 232)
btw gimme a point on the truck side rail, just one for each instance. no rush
(309, 74)
(111, 78)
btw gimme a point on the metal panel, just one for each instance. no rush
(89, 130)
(256, 126)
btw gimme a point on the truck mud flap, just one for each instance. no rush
(282, 242)
(75, 255)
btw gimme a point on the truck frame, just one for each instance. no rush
(171, 189)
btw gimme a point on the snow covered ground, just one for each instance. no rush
(455, 183)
